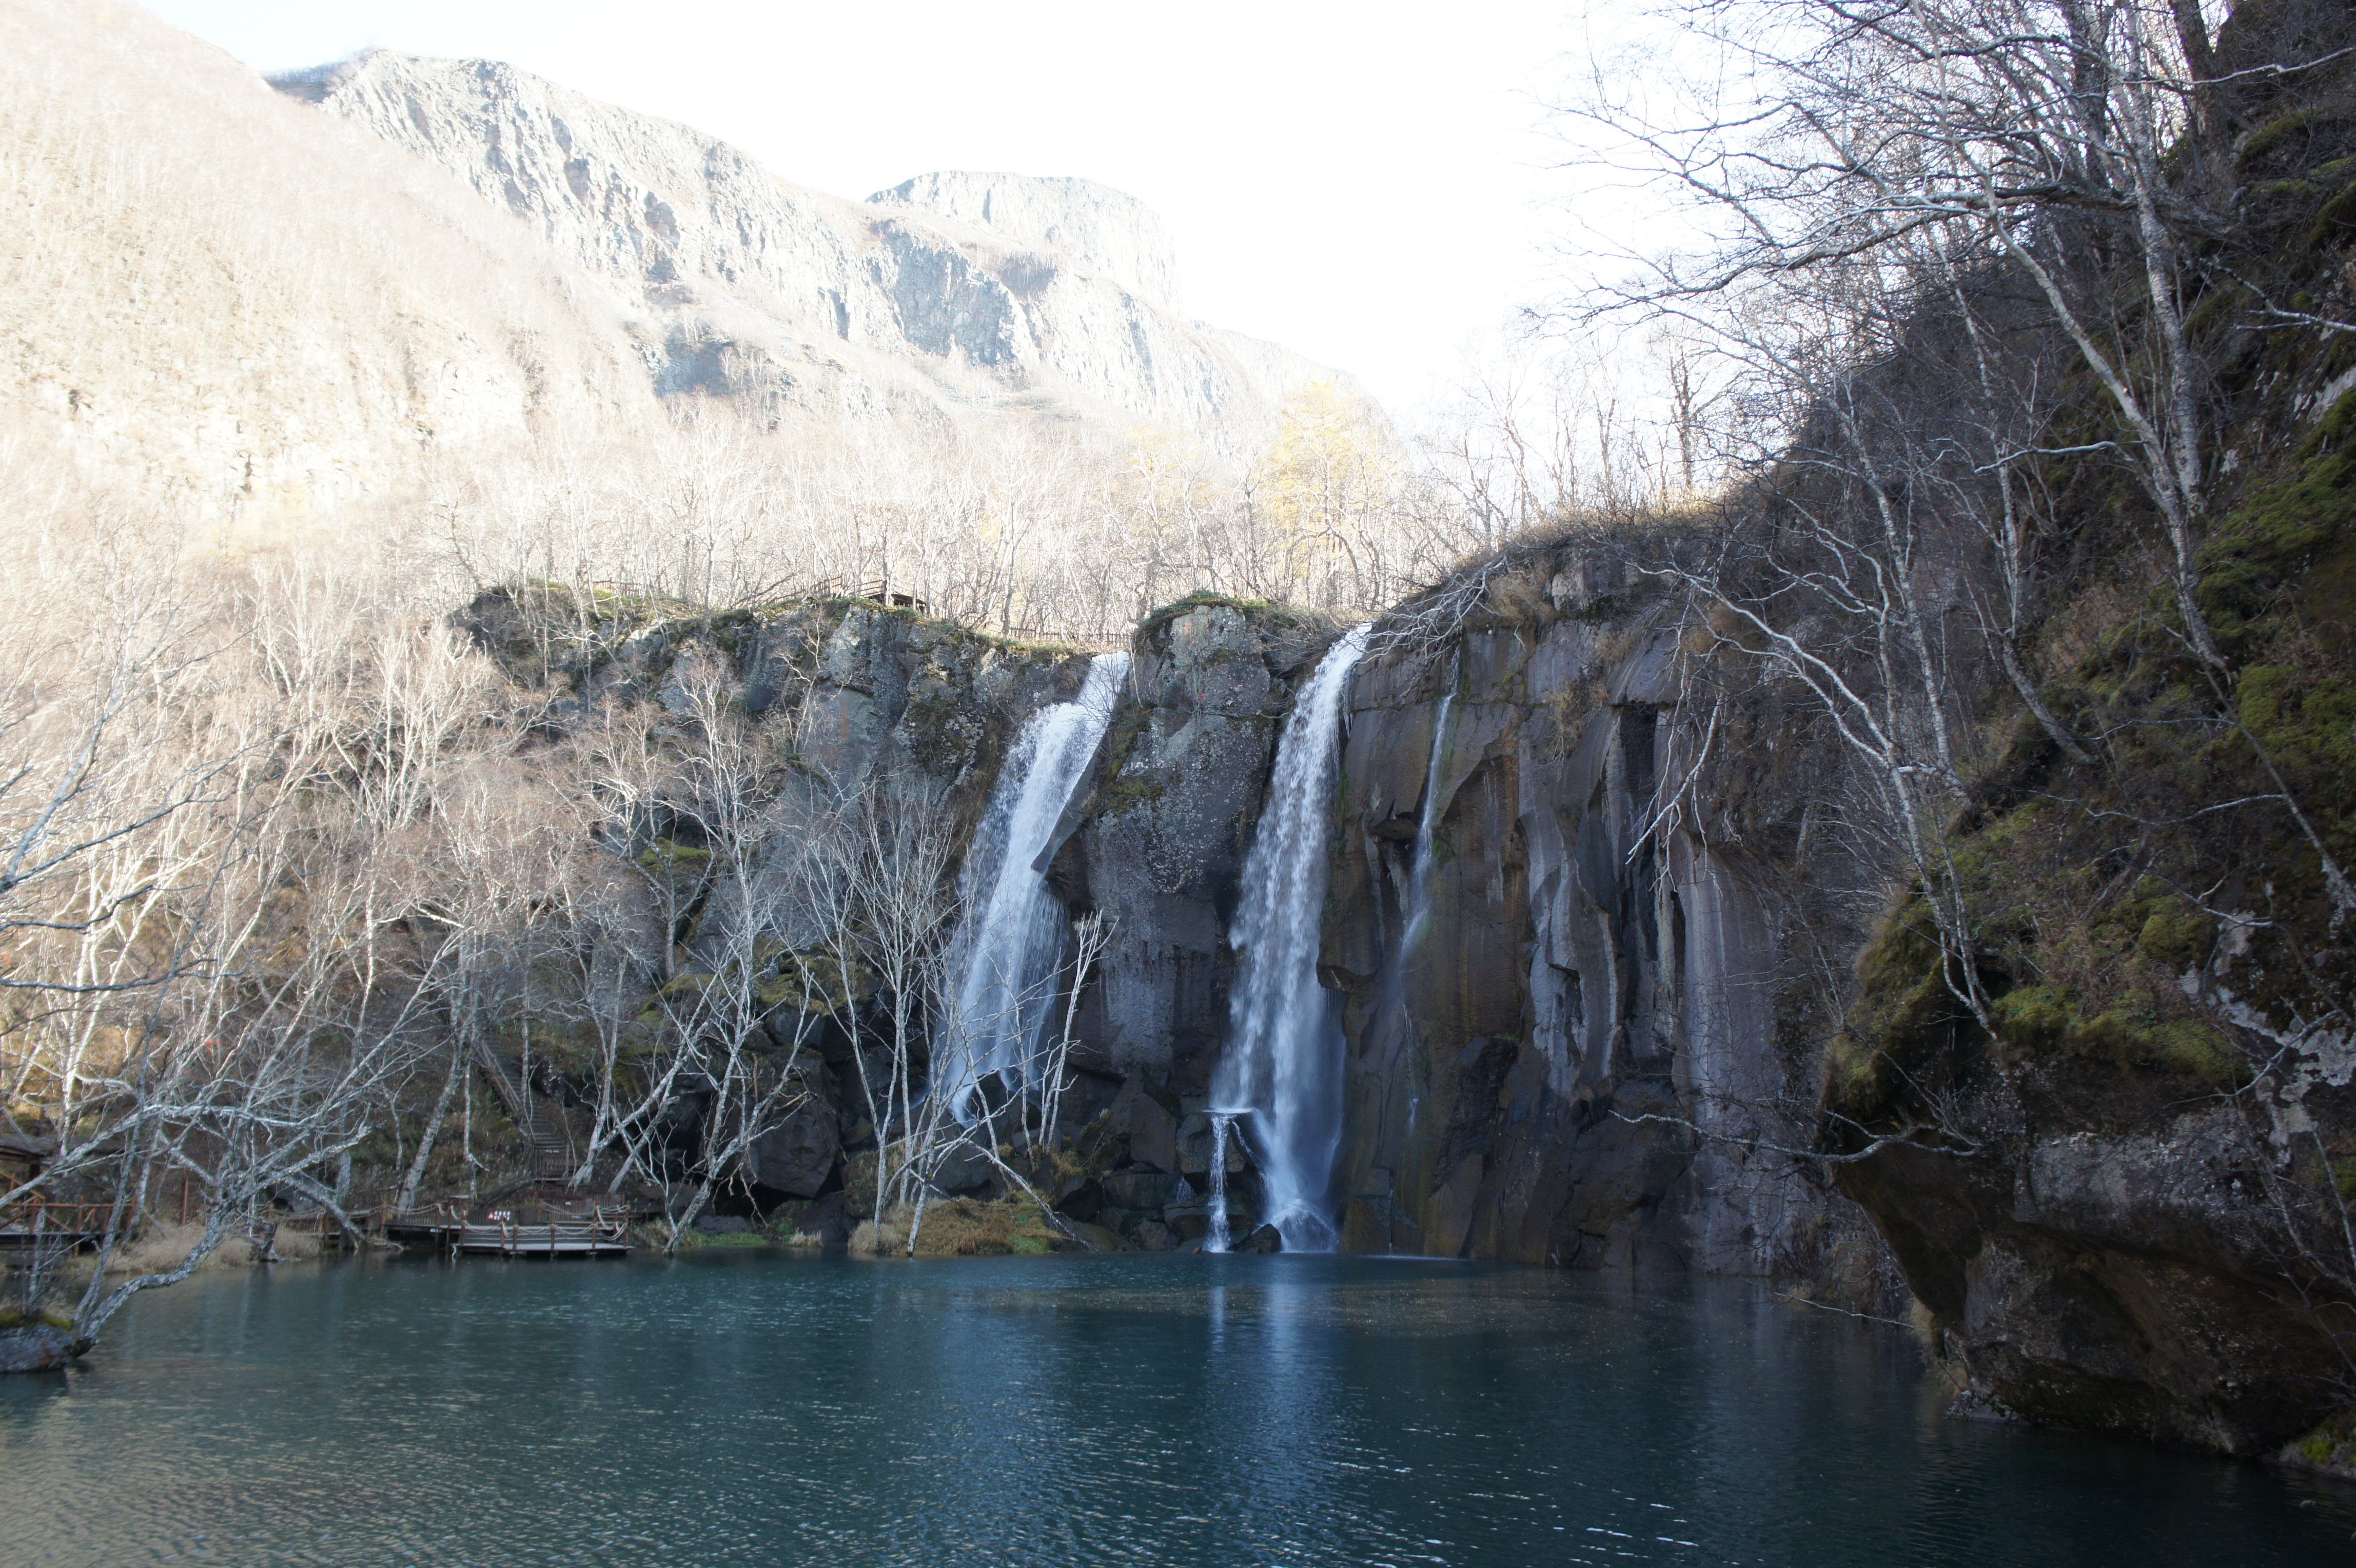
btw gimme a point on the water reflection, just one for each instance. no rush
(760, 1410)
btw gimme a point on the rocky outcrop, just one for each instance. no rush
(1099, 231)
(2139, 1280)
(1569, 980)
(948, 293)
(848, 686)
(797, 1156)
(1530, 979)
(1157, 842)
(841, 692)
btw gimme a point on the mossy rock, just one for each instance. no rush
(1907, 1022)
(1202, 598)
(2330, 1447)
(19, 1317)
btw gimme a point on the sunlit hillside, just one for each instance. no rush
(254, 308)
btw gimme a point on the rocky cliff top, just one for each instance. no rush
(1097, 230)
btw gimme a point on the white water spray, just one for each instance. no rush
(1011, 943)
(1284, 1059)
(1419, 892)
(1223, 1124)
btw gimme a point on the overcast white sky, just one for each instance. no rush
(1362, 180)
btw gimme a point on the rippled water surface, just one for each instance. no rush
(758, 1409)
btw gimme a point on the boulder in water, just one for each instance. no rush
(826, 1219)
(1264, 1240)
(40, 1348)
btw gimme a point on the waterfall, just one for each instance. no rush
(1418, 891)
(1222, 1124)
(1011, 944)
(1283, 1060)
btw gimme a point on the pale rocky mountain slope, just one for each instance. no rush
(210, 293)
(220, 294)
(949, 295)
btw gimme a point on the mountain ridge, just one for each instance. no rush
(949, 295)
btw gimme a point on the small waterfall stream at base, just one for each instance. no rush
(1223, 1124)
(1283, 1055)
(1013, 939)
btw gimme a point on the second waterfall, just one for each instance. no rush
(1013, 939)
(1283, 1065)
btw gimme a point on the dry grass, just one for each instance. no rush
(888, 1241)
(162, 1246)
(295, 1246)
(961, 1227)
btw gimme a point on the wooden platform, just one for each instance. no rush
(433, 1230)
(15, 1236)
(595, 1237)
(75, 1225)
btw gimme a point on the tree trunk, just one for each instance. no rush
(416, 1172)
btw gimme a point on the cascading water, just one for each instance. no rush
(1419, 892)
(1222, 1128)
(1012, 942)
(1284, 1061)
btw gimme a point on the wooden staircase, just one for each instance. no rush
(552, 1150)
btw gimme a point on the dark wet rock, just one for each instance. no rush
(40, 1348)
(1264, 1240)
(1188, 1219)
(723, 1224)
(827, 1219)
(1151, 1236)
(1138, 1189)
(799, 1153)
(1159, 841)
(2119, 1282)
(1569, 975)
(1147, 1116)
(1195, 1141)
(967, 1169)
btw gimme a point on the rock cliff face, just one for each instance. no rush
(1567, 980)
(837, 692)
(948, 293)
(289, 302)
(1539, 975)
(1102, 231)
(2128, 1279)
(1560, 934)
(1157, 842)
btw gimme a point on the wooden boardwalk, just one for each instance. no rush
(75, 1225)
(593, 1236)
(551, 1231)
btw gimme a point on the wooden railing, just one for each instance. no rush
(560, 1233)
(55, 1215)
